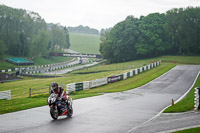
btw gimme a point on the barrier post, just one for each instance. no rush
(29, 92)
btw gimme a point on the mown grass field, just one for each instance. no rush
(20, 89)
(84, 43)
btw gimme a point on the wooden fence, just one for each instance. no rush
(31, 91)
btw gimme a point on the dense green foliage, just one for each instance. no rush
(25, 33)
(82, 29)
(176, 32)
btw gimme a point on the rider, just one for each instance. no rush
(60, 91)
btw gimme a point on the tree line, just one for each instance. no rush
(25, 33)
(176, 32)
(82, 29)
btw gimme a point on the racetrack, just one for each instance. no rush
(114, 112)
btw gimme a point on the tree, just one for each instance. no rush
(151, 40)
(2, 48)
(58, 38)
(18, 28)
(183, 29)
(118, 44)
(40, 44)
(66, 37)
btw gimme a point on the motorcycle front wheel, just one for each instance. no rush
(54, 114)
(70, 112)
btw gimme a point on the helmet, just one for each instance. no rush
(54, 86)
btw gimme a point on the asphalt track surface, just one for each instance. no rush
(171, 122)
(109, 113)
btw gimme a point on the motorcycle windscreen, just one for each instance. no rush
(59, 105)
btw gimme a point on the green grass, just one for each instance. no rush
(20, 100)
(5, 65)
(181, 59)
(116, 68)
(135, 81)
(192, 130)
(186, 104)
(84, 43)
(38, 61)
(20, 89)
(21, 104)
(44, 61)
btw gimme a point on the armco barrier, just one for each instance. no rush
(71, 87)
(79, 86)
(128, 75)
(136, 71)
(99, 82)
(121, 76)
(5, 94)
(125, 76)
(196, 98)
(86, 85)
(42, 66)
(133, 71)
(113, 79)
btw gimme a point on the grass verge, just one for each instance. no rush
(187, 103)
(192, 130)
(135, 81)
(38, 61)
(20, 89)
(27, 103)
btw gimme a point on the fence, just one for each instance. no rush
(103, 81)
(5, 94)
(34, 93)
(33, 69)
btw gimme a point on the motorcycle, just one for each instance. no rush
(59, 107)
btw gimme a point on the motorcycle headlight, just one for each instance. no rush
(53, 99)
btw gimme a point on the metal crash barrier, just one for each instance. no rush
(196, 98)
(5, 94)
(103, 81)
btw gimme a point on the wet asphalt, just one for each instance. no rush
(109, 113)
(171, 122)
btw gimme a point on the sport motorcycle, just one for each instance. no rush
(59, 107)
